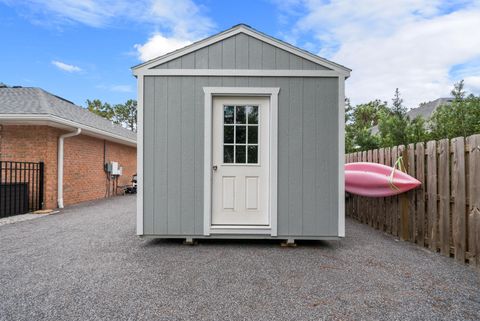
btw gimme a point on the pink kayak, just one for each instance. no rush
(377, 180)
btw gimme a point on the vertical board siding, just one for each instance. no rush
(198, 151)
(308, 158)
(241, 52)
(148, 162)
(443, 214)
(188, 157)
(283, 156)
(159, 174)
(174, 141)
(174, 153)
(295, 157)
(228, 53)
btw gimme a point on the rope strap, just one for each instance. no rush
(401, 167)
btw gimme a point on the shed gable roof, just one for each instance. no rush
(172, 60)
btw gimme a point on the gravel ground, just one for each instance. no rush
(20, 218)
(86, 264)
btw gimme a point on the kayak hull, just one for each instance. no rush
(376, 180)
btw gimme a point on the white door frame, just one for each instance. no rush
(272, 93)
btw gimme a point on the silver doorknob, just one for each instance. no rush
(214, 167)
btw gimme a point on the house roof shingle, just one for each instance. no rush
(36, 101)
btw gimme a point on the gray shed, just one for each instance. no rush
(241, 135)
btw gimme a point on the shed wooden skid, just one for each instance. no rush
(241, 136)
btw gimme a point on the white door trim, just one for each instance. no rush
(210, 92)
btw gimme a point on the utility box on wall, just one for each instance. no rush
(241, 135)
(113, 168)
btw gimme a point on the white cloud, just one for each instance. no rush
(88, 12)
(185, 22)
(158, 45)
(472, 84)
(177, 22)
(409, 44)
(65, 67)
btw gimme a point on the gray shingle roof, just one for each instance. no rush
(427, 109)
(29, 100)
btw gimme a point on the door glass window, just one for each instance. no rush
(240, 134)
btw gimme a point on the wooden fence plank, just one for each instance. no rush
(444, 195)
(375, 201)
(363, 199)
(474, 199)
(381, 160)
(388, 200)
(412, 219)
(357, 198)
(404, 214)
(369, 200)
(420, 171)
(432, 194)
(394, 199)
(459, 224)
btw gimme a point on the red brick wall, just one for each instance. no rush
(84, 177)
(33, 144)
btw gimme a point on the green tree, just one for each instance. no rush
(104, 110)
(461, 118)
(361, 119)
(416, 130)
(126, 114)
(393, 124)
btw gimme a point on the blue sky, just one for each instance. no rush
(83, 49)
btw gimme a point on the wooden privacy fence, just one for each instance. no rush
(443, 214)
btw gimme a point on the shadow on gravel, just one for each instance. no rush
(241, 243)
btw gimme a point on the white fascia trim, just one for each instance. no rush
(140, 134)
(210, 92)
(66, 122)
(234, 31)
(341, 156)
(239, 73)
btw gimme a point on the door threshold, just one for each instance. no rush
(241, 229)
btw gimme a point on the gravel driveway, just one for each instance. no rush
(86, 264)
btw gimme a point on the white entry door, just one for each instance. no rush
(240, 158)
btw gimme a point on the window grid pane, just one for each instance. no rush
(240, 134)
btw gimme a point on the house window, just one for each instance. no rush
(240, 134)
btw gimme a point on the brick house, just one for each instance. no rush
(34, 124)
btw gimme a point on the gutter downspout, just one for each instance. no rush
(60, 164)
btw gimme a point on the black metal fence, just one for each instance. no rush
(21, 187)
